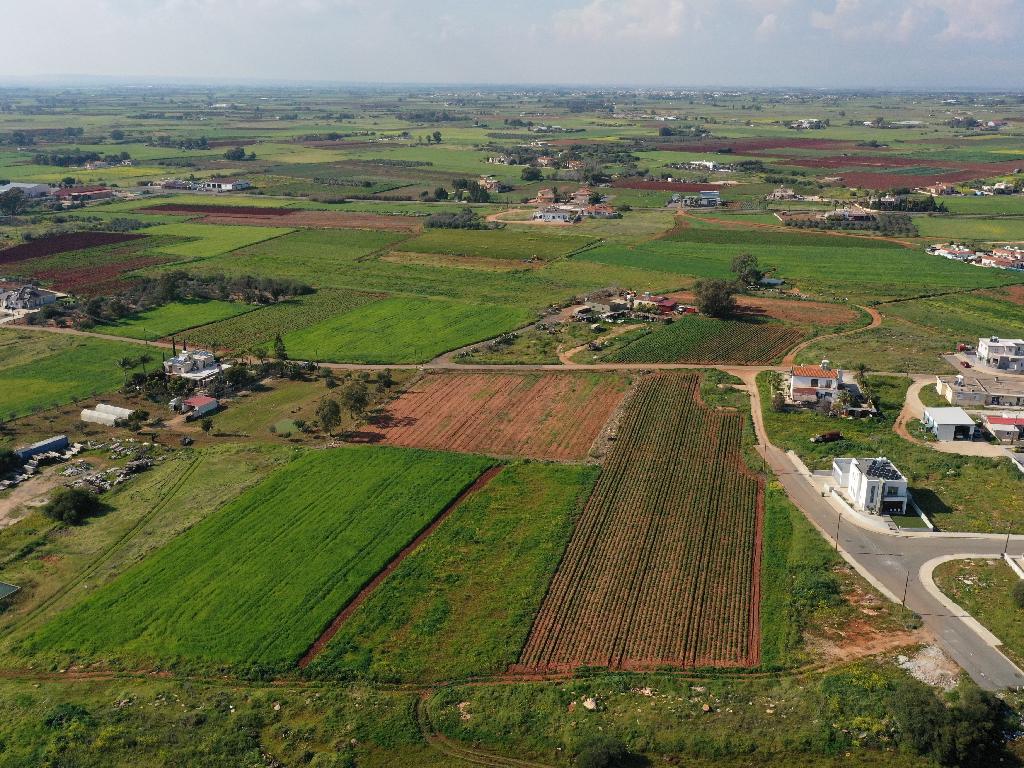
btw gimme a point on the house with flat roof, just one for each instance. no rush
(557, 214)
(872, 485)
(225, 185)
(196, 365)
(949, 424)
(1007, 428)
(982, 391)
(1002, 354)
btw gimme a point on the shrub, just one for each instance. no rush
(602, 752)
(72, 505)
(1018, 594)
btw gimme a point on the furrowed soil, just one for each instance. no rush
(554, 416)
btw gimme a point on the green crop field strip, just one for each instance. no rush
(698, 339)
(495, 244)
(253, 329)
(40, 370)
(172, 318)
(206, 240)
(257, 581)
(402, 330)
(462, 604)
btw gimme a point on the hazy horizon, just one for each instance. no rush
(922, 45)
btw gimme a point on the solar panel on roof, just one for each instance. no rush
(883, 470)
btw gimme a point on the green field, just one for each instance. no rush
(256, 582)
(464, 602)
(402, 330)
(700, 339)
(206, 240)
(963, 317)
(171, 318)
(832, 267)
(495, 244)
(258, 328)
(984, 589)
(971, 228)
(41, 370)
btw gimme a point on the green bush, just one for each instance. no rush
(603, 752)
(72, 505)
(1018, 594)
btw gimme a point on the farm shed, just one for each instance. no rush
(949, 423)
(56, 443)
(226, 185)
(6, 590)
(29, 190)
(200, 405)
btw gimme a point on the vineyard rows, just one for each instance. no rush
(662, 567)
(707, 340)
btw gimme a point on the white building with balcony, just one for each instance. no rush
(1002, 354)
(872, 485)
(811, 383)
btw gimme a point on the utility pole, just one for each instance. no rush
(838, 523)
(1006, 546)
(906, 586)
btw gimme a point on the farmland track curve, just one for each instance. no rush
(876, 320)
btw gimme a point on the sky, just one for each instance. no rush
(885, 44)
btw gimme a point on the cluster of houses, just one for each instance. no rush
(64, 195)
(807, 124)
(943, 189)
(629, 304)
(1003, 257)
(577, 207)
(214, 184)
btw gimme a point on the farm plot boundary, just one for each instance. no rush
(663, 568)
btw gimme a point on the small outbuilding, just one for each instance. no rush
(198, 406)
(949, 424)
(56, 443)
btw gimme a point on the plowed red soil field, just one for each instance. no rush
(664, 186)
(73, 241)
(321, 220)
(663, 568)
(554, 416)
(233, 210)
(793, 311)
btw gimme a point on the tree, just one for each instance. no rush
(437, 137)
(117, 134)
(595, 198)
(238, 153)
(328, 413)
(144, 359)
(72, 505)
(126, 364)
(280, 353)
(13, 202)
(356, 397)
(778, 402)
(206, 424)
(386, 378)
(716, 298)
(531, 174)
(746, 270)
(441, 193)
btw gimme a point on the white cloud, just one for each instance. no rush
(769, 24)
(600, 20)
(931, 20)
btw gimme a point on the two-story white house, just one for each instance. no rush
(1003, 354)
(872, 485)
(812, 383)
(197, 365)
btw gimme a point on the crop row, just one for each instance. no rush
(707, 340)
(72, 241)
(661, 569)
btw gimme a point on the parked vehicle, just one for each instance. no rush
(827, 437)
(964, 364)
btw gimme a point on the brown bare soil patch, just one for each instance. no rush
(555, 416)
(321, 220)
(860, 638)
(1011, 293)
(73, 241)
(232, 210)
(792, 311)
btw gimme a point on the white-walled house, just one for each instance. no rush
(872, 485)
(225, 185)
(1002, 354)
(197, 365)
(811, 383)
(949, 423)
